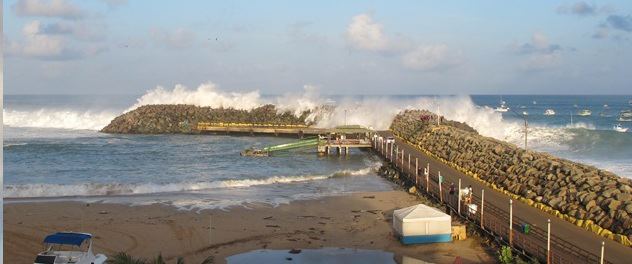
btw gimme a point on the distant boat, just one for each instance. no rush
(606, 106)
(534, 102)
(525, 113)
(503, 106)
(620, 128)
(549, 112)
(625, 116)
(522, 107)
(584, 112)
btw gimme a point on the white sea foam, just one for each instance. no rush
(65, 119)
(94, 189)
(206, 94)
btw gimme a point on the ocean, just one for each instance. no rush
(53, 150)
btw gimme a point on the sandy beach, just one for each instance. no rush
(360, 220)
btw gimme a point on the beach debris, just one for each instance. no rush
(103, 212)
(322, 223)
(274, 226)
(369, 197)
(295, 251)
(288, 258)
(325, 217)
(267, 218)
(412, 190)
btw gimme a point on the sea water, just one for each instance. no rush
(53, 150)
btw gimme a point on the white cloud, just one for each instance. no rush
(365, 34)
(539, 54)
(48, 8)
(429, 58)
(38, 44)
(178, 39)
(539, 62)
(115, 3)
(79, 31)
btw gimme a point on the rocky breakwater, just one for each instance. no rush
(169, 119)
(594, 199)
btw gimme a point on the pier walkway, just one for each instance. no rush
(568, 243)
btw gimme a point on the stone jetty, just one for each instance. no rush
(584, 195)
(170, 119)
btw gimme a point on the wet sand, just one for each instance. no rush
(361, 220)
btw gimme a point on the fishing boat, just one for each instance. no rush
(625, 116)
(584, 112)
(620, 128)
(69, 247)
(502, 108)
(549, 112)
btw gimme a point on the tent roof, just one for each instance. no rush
(67, 238)
(420, 212)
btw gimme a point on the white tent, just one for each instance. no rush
(422, 224)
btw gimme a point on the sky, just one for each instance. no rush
(340, 47)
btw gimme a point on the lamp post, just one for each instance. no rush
(526, 126)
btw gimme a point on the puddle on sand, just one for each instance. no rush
(323, 255)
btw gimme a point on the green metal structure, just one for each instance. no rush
(308, 142)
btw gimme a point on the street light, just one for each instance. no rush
(526, 126)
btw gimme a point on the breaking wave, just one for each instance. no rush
(96, 189)
(64, 119)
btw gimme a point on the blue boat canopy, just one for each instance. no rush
(67, 238)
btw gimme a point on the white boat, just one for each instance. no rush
(625, 116)
(584, 112)
(525, 113)
(69, 247)
(502, 108)
(549, 112)
(534, 102)
(620, 128)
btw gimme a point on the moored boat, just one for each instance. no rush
(620, 128)
(625, 116)
(584, 112)
(549, 112)
(502, 108)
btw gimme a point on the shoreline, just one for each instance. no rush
(358, 220)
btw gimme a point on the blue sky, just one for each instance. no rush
(342, 47)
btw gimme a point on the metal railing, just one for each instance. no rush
(490, 218)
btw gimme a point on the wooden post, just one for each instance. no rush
(417, 172)
(482, 207)
(440, 189)
(548, 241)
(393, 147)
(510, 222)
(409, 163)
(402, 160)
(427, 172)
(459, 196)
(603, 246)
